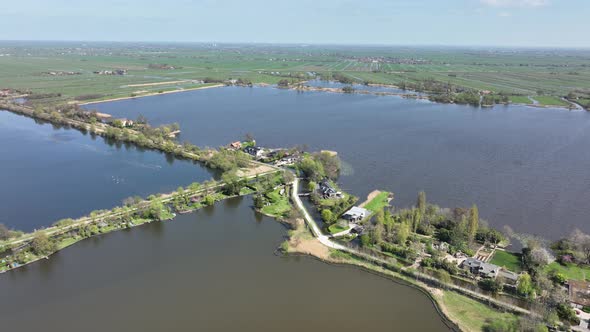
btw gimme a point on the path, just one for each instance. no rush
(325, 240)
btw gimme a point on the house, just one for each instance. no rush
(509, 277)
(235, 145)
(357, 230)
(124, 122)
(254, 151)
(477, 267)
(327, 190)
(579, 293)
(356, 214)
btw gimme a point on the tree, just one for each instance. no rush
(327, 216)
(209, 200)
(581, 243)
(42, 245)
(443, 276)
(421, 203)
(490, 285)
(232, 183)
(155, 210)
(4, 232)
(473, 224)
(258, 201)
(402, 233)
(524, 286)
(365, 240)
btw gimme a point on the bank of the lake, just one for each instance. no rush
(50, 172)
(218, 269)
(524, 167)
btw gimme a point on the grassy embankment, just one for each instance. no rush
(468, 314)
(571, 271)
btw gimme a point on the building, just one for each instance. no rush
(255, 151)
(235, 145)
(356, 214)
(579, 293)
(327, 190)
(477, 267)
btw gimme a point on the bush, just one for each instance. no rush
(490, 285)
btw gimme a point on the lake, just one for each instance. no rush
(51, 173)
(524, 167)
(213, 270)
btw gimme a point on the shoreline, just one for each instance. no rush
(151, 94)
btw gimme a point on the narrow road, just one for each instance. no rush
(325, 240)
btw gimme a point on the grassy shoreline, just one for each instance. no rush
(449, 304)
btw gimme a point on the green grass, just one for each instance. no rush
(571, 271)
(523, 72)
(550, 101)
(335, 228)
(520, 100)
(378, 202)
(279, 204)
(472, 314)
(246, 191)
(508, 260)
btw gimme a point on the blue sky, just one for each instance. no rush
(563, 23)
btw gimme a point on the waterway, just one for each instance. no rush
(50, 173)
(524, 167)
(213, 270)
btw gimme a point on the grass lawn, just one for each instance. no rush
(508, 260)
(246, 191)
(279, 204)
(520, 100)
(571, 271)
(335, 228)
(378, 202)
(550, 101)
(471, 313)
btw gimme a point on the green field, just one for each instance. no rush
(571, 271)
(520, 100)
(550, 74)
(550, 101)
(508, 260)
(378, 202)
(472, 314)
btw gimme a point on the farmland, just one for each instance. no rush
(40, 67)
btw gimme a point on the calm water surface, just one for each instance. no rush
(524, 167)
(50, 173)
(213, 270)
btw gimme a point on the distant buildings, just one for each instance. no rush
(255, 151)
(111, 72)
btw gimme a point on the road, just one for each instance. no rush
(325, 240)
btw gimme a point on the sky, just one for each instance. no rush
(526, 23)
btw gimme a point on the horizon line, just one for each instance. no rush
(302, 44)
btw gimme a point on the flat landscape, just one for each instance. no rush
(77, 70)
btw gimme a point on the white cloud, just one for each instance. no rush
(505, 14)
(515, 3)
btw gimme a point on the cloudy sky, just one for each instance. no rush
(563, 23)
